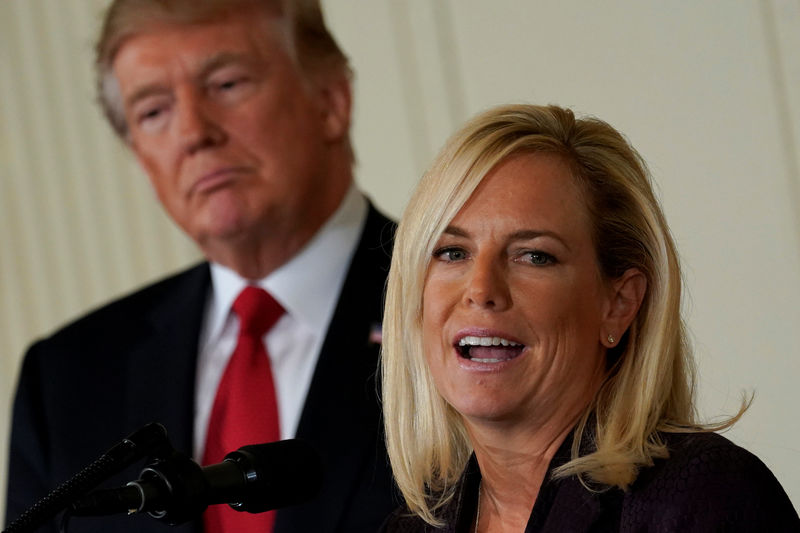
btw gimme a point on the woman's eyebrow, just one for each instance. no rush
(455, 231)
(519, 235)
(528, 234)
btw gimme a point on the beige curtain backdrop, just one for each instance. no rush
(707, 90)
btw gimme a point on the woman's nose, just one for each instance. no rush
(487, 286)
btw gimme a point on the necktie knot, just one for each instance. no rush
(257, 311)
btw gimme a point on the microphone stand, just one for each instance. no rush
(172, 489)
(149, 440)
(175, 489)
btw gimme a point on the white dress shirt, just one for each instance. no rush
(308, 288)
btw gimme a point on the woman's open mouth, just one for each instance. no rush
(488, 349)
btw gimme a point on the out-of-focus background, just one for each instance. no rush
(707, 90)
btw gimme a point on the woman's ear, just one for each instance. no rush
(625, 299)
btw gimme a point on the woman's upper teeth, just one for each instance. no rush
(486, 341)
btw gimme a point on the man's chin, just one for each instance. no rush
(220, 231)
(220, 218)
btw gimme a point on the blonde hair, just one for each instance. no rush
(650, 381)
(311, 43)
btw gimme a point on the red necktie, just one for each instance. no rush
(245, 409)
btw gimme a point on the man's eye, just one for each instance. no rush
(450, 254)
(230, 84)
(151, 117)
(150, 114)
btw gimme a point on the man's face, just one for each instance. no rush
(235, 139)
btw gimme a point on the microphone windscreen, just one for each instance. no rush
(283, 473)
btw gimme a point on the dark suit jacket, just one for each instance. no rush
(133, 362)
(708, 484)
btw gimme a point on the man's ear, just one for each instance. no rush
(625, 298)
(335, 98)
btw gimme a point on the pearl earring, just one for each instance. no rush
(611, 339)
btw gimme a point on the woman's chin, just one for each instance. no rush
(486, 410)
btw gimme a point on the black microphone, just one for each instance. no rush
(254, 479)
(149, 440)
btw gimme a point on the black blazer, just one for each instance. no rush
(708, 484)
(133, 362)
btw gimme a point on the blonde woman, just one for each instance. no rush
(536, 372)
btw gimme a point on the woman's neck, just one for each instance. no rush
(513, 465)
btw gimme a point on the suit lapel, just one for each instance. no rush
(161, 369)
(341, 415)
(575, 509)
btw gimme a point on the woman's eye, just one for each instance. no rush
(450, 254)
(539, 258)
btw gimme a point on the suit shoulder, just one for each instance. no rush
(707, 454)
(106, 319)
(378, 235)
(709, 482)
(369, 266)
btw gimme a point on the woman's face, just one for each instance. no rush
(514, 302)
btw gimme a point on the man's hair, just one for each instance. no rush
(311, 43)
(649, 382)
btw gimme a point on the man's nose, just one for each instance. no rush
(487, 285)
(196, 126)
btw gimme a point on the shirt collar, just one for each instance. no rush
(308, 285)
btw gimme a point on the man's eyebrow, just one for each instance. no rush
(143, 92)
(220, 60)
(206, 67)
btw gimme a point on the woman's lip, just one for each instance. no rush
(479, 366)
(484, 332)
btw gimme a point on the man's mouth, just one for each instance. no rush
(217, 178)
(488, 349)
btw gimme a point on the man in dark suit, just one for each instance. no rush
(239, 112)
